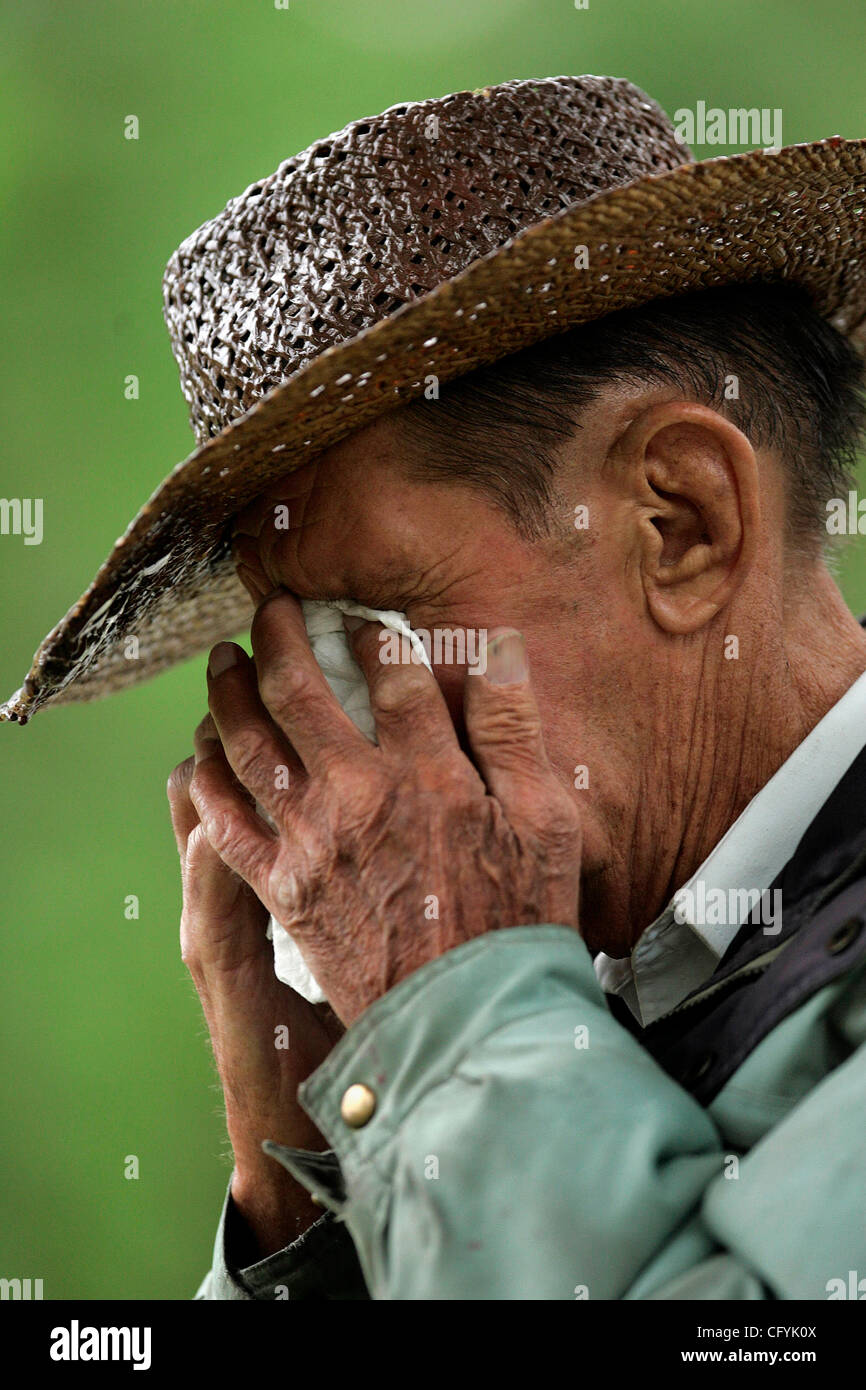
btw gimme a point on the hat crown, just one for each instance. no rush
(378, 214)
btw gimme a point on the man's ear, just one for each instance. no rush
(697, 480)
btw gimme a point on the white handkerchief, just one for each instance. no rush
(330, 646)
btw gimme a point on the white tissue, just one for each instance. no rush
(330, 646)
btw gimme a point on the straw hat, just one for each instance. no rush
(426, 241)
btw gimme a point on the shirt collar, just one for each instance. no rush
(683, 946)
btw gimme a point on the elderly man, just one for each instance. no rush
(588, 914)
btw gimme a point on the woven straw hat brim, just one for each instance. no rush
(797, 214)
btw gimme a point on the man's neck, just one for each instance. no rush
(717, 761)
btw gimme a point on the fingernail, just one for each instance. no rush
(506, 659)
(224, 655)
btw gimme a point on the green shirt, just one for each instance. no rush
(524, 1145)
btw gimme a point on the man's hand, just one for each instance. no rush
(386, 856)
(248, 1012)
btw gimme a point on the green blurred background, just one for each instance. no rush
(104, 1050)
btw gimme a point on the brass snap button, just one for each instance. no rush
(357, 1105)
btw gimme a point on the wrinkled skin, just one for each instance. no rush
(367, 834)
(470, 797)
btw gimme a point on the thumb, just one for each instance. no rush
(504, 726)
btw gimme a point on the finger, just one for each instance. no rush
(407, 704)
(228, 820)
(206, 743)
(257, 752)
(205, 733)
(294, 690)
(214, 894)
(210, 886)
(184, 817)
(504, 726)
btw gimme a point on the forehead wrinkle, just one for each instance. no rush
(356, 532)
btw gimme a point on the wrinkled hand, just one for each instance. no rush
(384, 857)
(266, 1039)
